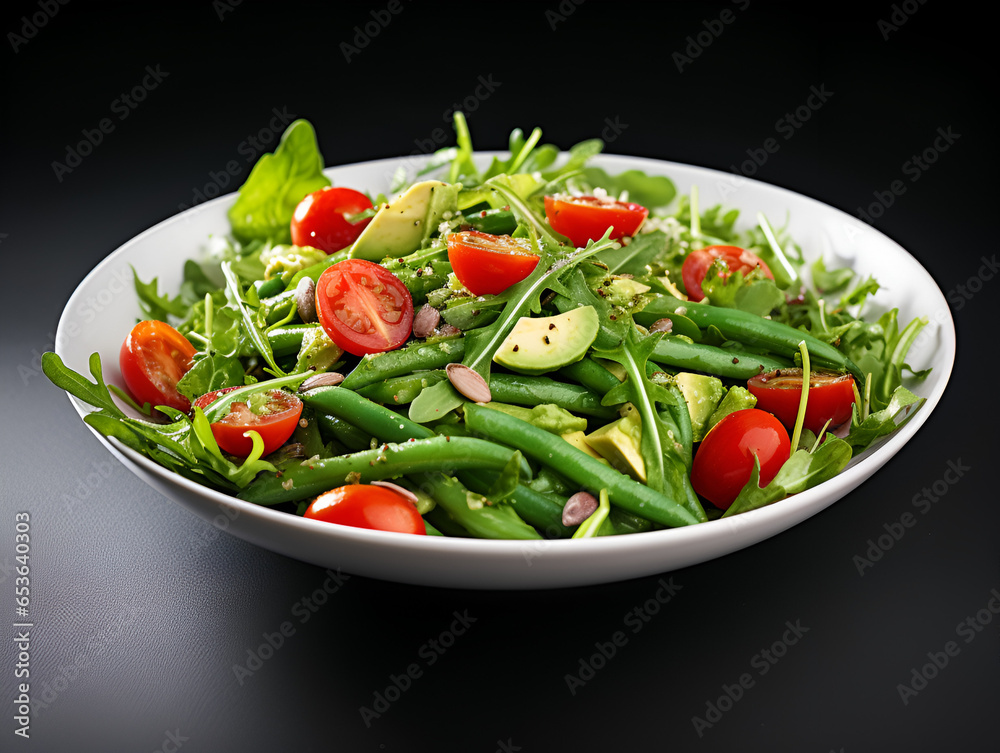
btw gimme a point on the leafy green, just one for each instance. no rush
(277, 183)
(640, 254)
(93, 393)
(156, 306)
(752, 292)
(803, 470)
(880, 349)
(250, 327)
(830, 280)
(434, 402)
(902, 406)
(649, 190)
(210, 373)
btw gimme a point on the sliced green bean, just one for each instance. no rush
(540, 390)
(287, 340)
(750, 329)
(344, 432)
(417, 356)
(402, 389)
(723, 362)
(376, 419)
(578, 466)
(535, 508)
(472, 511)
(388, 461)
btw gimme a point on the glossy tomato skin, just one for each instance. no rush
(320, 219)
(364, 307)
(486, 263)
(153, 358)
(698, 261)
(724, 461)
(365, 506)
(274, 428)
(587, 218)
(830, 397)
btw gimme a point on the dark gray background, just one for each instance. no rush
(142, 610)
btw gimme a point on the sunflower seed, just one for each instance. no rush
(468, 383)
(578, 508)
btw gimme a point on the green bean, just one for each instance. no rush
(625, 522)
(591, 375)
(416, 356)
(286, 341)
(535, 508)
(268, 288)
(344, 432)
(492, 221)
(278, 307)
(752, 330)
(723, 362)
(485, 521)
(376, 419)
(388, 461)
(540, 390)
(577, 465)
(402, 389)
(443, 522)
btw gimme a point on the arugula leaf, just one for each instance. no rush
(434, 402)
(753, 292)
(637, 256)
(832, 280)
(803, 470)
(93, 393)
(861, 291)
(651, 191)
(902, 406)
(277, 183)
(234, 293)
(210, 373)
(156, 306)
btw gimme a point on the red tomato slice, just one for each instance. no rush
(153, 358)
(724, 460)
(320, 219)
(274, 420)
(587, 218)
(830, 397)
(363, 307)
(487, 263)
(364, 506)
(697, 263)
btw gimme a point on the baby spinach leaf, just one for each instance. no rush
(649, 190)
(277, 183)
(210, 373)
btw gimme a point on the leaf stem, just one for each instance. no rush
(695, 214)
(772, 241)
(804, 397)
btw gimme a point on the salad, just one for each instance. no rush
(522, 349)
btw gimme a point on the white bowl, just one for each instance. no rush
(104, 308)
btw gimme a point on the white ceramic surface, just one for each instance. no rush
(103, 309)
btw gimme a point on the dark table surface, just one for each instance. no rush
(151, 632)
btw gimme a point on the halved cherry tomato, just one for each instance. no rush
(697, 263)
(153, 358)
(273, 415)
(366, 506)
(724, 460)
(487, 263)
(320, 219)
(363, 307)
(830, 397)
(587, 218)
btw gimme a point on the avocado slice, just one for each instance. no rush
(579, 440)
(738, 398)
(702, 394)
(540, 344)
(400, 227)
(619, 443)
